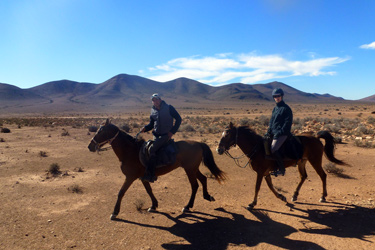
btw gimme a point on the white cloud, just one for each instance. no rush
(245, 68)
(368, 46)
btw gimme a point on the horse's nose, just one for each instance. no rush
(219, 150)
(91, 147)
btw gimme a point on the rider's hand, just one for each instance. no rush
(170, 134)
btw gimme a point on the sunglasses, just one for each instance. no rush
(276, 96)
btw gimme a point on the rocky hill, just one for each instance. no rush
(124, 91)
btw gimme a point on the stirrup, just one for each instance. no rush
(149, 178)
(277, 173)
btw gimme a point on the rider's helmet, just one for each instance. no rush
(277, 91)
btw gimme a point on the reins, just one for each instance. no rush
(98, 145)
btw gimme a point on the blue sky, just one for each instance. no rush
(316, 46)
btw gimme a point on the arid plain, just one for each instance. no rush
(72, 209)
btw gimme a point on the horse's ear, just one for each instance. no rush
(230, 125)
(107, 121)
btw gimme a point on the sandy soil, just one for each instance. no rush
(42, 212)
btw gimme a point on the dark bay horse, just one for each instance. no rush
(190, 155)
(252, 146)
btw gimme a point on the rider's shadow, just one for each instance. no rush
(345, 221)
(204, 231)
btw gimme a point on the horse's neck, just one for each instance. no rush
(247, 142)
(125, 147)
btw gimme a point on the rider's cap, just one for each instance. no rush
(156, 96)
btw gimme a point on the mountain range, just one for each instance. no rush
(124, 91)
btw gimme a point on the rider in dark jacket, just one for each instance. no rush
(161, 121)
(279, 127)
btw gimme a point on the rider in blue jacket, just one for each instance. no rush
(279, 128)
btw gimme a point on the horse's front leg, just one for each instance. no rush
(257, 188)
(148, 188)
(270, 185)
(121, 193)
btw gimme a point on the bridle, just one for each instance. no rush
(237, 159)
(98, 145)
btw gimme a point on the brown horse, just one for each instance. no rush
(252, 146)
(190, 155)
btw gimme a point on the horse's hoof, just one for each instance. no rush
(294, 198)
(283, 198)
(151, 210)
(250, 207)
(185, 210)
(113, 216)
(322, 199)
(209, 198)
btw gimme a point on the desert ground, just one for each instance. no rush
(72, 209)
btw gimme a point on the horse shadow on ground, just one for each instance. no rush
(344, 221)
(205, 231)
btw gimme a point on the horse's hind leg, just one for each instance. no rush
(120, 195)
(317, 164)
(194, 188)
(151, 194)
(303, 177)
(270, 185)
(203, 180)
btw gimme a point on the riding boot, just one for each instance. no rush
(279, 163)
(150, 170)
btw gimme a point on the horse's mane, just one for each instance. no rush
(249, 132)
(136, 141)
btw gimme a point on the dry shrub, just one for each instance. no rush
(54, 169)
(139, 205)
(65, 133)
(332, 169)
(93, 129)
(75, 189)
(186, 128)
(43, 154)
(5, 130)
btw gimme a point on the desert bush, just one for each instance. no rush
(125, 127)
(2, 140)
(75, 189)
(65, 133)
(363, 130)
(371, 120)
(43, 154)
(213, 129)
(139, 205)
(332, 169)
(264, 120)
(186, 128)
(93, 129)
(244, 121)
(364, 144)
(5, 130)
(54, 169)
(335, 128)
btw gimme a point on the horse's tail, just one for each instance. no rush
(329, 147)
(208, 160)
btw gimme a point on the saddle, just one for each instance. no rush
(166, 155)
(292, 148)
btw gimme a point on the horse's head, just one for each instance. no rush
(105, 134)
(228, 139)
